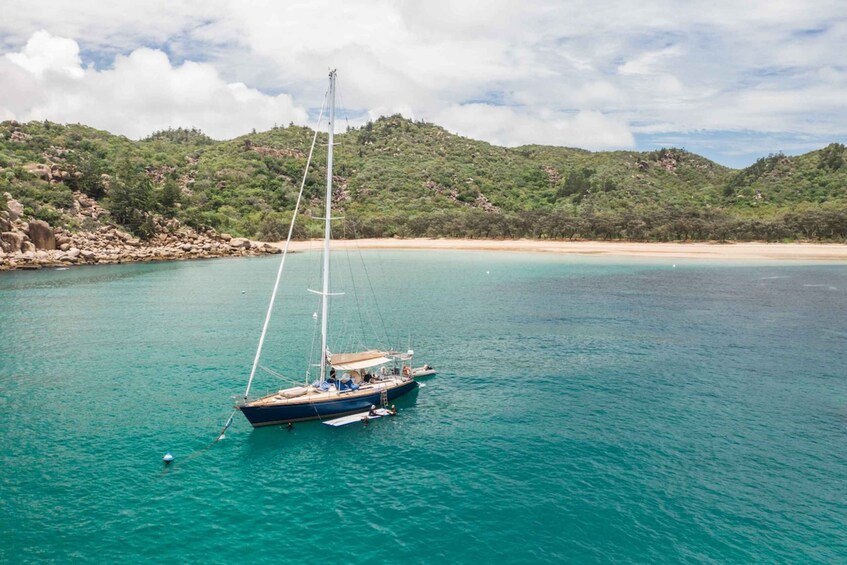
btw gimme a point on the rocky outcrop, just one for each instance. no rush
(52, 173)
(274, 151)
(553, 175)
(481, 201)
(35, 244)
(10, 241)
(41, 235)
(15, 209)
(19, 136)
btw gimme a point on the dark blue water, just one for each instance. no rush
(585, 410)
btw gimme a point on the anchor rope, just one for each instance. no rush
(203, 450)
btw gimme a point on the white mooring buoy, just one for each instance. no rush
(168, 458)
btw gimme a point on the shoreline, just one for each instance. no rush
(749, 251)
(826, 253)
(31, 244)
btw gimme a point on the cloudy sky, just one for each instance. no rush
(731, 80)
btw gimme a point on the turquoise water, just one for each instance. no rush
(585, 410)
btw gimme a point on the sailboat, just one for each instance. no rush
(349, 382)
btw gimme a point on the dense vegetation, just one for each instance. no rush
(395, 177)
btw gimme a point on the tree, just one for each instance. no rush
(831, 157)
(577, 182)
(131, 198)
(86, 175)
(271, 228)
(366, 135)
(170, 197)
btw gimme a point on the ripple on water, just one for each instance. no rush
(583, 411)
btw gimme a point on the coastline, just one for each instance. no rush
(28, 243)
(201, 248)
(741, 251)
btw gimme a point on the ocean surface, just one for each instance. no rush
(585, 410)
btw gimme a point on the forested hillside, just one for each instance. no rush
(395, 177)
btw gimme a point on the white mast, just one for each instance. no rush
(327, 224)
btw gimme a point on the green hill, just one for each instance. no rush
(395, 177)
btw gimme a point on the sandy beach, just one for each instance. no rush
(827, 252)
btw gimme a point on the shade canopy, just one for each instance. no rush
(361, 360)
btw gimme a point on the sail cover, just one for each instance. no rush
(362, 360)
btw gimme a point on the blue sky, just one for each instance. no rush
(732, 81)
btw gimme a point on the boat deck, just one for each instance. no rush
(312, 395)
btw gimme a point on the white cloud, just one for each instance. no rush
(507, 126)
(142, 92)
(45, 53)
(594, 94)
(647, 63)
(660, 66)
(20, 91)
(117, 26)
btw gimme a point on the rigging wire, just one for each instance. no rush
(273, 373)
(340, 95)
(373, 292)
(352, 225)
(362, 325)
(276, 283)
(312, 348)
(284, 254)
(266, 323)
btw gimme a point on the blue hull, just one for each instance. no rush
(260, 416)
